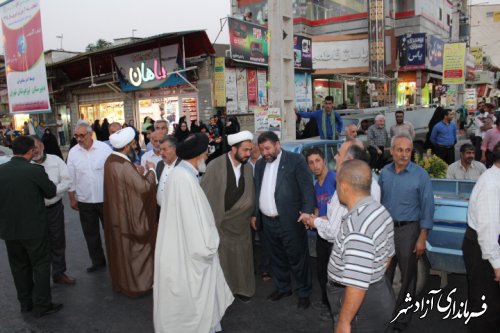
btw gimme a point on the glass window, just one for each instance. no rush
(331, 151)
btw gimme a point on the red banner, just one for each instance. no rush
(252, 87)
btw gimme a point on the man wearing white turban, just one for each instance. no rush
(190, 293)
(130, 217)
(228, 184)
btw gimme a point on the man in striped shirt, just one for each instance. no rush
(361, 298)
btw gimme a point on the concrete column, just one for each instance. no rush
(281, 71)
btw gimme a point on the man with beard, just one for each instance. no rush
(129, 217)
(401, 126)
(284, 194)
(58, 173)
(190, 293)
(466, 167)
(228, 184)
(86, 168)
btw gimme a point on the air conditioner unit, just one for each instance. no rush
(228, 54)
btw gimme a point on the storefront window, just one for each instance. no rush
(173, 107)
(112, 111)
(406, 93)
(325, 87)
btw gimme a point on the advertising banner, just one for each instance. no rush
(470, 99)
(24, 57)
(219, 82)
(262, 87)
(477, 52)
(302, 52)
(248, 41)
(454, 63)
(149, 69)
(252, 87)
(267, 119)
(411, 51)
(241, 86)
(231, 91)
(303, 92)
(435, 54)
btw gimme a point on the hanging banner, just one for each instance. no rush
(435, 54)
(252, 87)
(454, 63)
(262, 87)
(302, 52)
(477, 52)
(219, 82)
(267, 119)
(149, 69)
(24, 57)
(411, 51)
(303, 92)
(470, 99)
(231, 91)
(241, 86)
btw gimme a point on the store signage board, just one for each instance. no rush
(150, 69)
(454, 63)
(24, 57)
(411, 51)
(340, 54)
(435, 52)
(249, 43)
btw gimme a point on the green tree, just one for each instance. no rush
(99, 45)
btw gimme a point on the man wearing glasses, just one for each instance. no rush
(86, 168)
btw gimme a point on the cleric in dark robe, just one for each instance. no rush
(129, 217)
(228, 184)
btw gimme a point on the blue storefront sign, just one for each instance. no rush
(411, 51)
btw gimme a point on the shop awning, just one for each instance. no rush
(99, 63)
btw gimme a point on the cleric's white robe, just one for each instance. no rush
(190, 292)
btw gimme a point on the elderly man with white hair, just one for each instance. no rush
(86, 168)
(378, 139)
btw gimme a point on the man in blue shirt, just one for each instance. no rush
(326, 119)
(407, 194)
(324, 188)
(444, 137)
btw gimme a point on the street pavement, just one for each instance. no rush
(91, 305)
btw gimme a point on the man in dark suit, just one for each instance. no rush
(23, 226)
(284, 191)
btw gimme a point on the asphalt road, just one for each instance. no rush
(91, 305)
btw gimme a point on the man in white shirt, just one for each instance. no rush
(481, 248)
(466, 167)
(160, 126)
(168, 153)
(86, 168)
(153, 155)
(402, 126)
(58, 173)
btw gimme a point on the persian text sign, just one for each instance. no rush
(149, 69)
(24, 58)
(219, 82)
(340, 54)
(411, 51)
(454, 63)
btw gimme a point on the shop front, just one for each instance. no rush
(112, 111)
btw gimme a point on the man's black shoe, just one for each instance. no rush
(95, 268)
(303, 303)
(244, 299)
(277, 295)
(26, 308)
(54, 307)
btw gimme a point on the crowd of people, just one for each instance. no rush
(180, 218)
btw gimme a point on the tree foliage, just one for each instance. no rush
(99, 45)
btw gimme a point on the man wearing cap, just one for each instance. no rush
(228, 184)
(190, 292)
(130, 217)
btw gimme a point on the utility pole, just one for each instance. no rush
(281, 64)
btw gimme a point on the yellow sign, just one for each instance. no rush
(454, 63)
(477, 52)
(496, 16)
(219, 82)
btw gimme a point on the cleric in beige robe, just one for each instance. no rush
(129, 218)
(228, 184)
